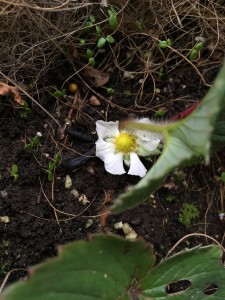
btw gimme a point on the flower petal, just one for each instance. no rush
(136, 166)
(107, 129)
(148, 146)
(113, 162)
(144, 134)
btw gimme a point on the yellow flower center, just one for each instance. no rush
(125, 143)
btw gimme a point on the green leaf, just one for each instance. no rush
(110, 39)
(105, 267)
(194, 54)
(223, 177)
(89, 53)
(98, 29)
(165, 44)
(82, 41)
(28, 146)
(199, 46)
(101, 42)
(91, 61)
(200, 267)
(113, 22)
(92, 18)
(15, 169)
(186, 142)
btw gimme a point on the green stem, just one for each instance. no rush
(151, 127)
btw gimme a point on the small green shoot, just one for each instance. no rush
(161, 73)
(138, 25)
(113, 21)
(171, 198)
(26, 111)
(58, 93)
(110, 91)
(14, 172)
(102, 41)
(165, 44)
(188, 213)
(195, 51)
(90, 22)
(90, 57)
(222, 177)
(82, 41)
(52, 165)
(160, 113)
(34, 143)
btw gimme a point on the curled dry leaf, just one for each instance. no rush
(94, 77)
(7, 90)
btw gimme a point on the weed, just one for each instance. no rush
(188, 213)
(14, 172)
(58, 93)
(26, 111)
(165, 44)
(195, 51)
(52, 165)
(34, 142)
(171, 198)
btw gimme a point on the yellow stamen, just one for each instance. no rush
(125, 143)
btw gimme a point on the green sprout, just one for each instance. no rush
(14, 172)
(90, 56)
(138, 25)
(90, 22)
(113, 21)
(165, 44)
(34, 142)
(58, 93)
(52, 165)
(188, 213)
(222, 177)
(160, 113)
(195, 51)
(26, 111)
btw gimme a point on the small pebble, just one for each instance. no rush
(94, 101)
(68, 182)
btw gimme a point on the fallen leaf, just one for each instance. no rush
(7, 90)
(94, 77)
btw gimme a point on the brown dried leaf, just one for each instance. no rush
(94, 77)
(7, 90)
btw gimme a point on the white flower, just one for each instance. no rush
(115, 147)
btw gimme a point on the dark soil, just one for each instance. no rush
(43, 215)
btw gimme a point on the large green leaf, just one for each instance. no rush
(201, 267)
(102, 268)
(185, 141)
(111, 268)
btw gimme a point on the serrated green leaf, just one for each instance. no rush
(106, 267)
(101, 42)
(200, 266)
(186, 141)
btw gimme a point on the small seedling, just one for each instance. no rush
(26, 111)
(90, 56)
(34, 142)
(222, 177)
(171, 198)
(188, 213)
(113, 21)
(14, 172)
(138, 25)
(52, 165)
(195, 51)
(82, 41)
(102, 41)
(165, 44)
(161, 73)
(160, 113)
(90, 22)
(58, 93)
